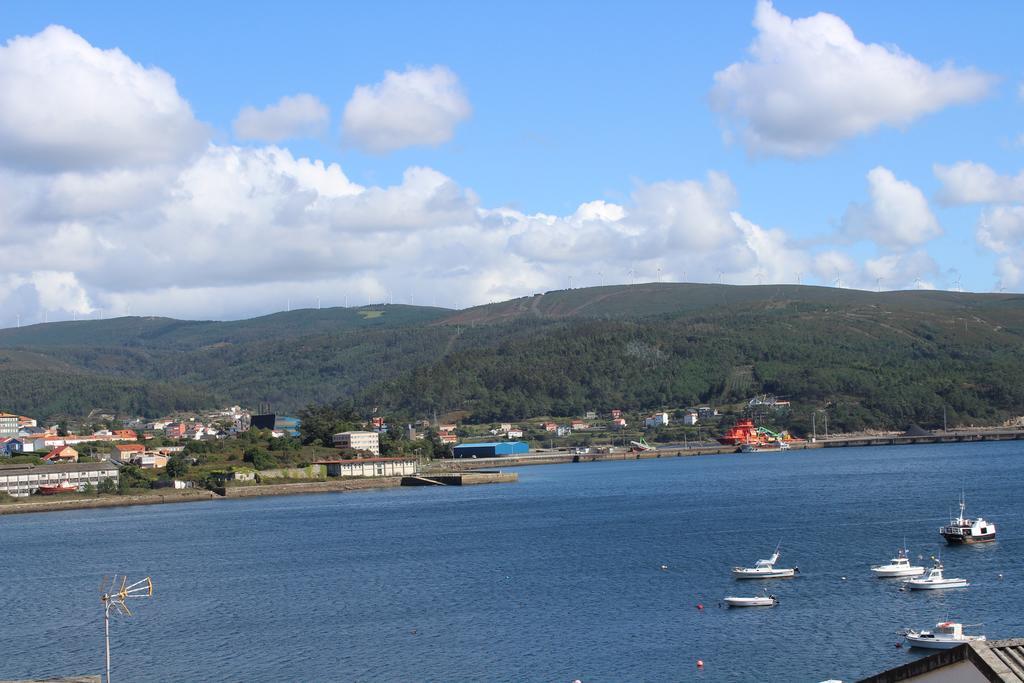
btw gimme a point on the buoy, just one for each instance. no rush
(843, 578)
(700, 606)
(1000, 577)
(899, 645)
(700, 663)
(664, 567)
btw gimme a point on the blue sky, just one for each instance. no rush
(549, 107)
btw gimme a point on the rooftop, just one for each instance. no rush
(7, 470)
(999, 661)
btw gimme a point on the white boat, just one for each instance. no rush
(898, 566)
(934, 580)
(766, 600)
(946, 636)
(963, 530)
(765, 569)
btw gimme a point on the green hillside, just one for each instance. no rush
(873, 359)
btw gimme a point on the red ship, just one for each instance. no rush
(743, 433)
(54, 489)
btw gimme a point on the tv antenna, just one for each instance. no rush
(115, 597)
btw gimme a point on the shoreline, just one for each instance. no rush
(461, 465)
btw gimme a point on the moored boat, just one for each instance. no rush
(765, 569)
(766, 600)
(898, 566)
(935, 580)
(964, 531)
(945, 636)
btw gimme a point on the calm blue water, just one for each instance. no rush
(551, 579)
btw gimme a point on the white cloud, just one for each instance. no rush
(66, 105)
(968, 182)
(897, 216)
(295, 116)
(810, 83)
(415, 107)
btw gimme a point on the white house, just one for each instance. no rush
(514, 434)
(690, 418)
(656, 420)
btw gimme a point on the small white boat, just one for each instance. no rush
(766, 600)
(946, 636)
(934, 580)
(898, 566)
(765, 569)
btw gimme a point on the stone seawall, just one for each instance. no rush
(187, 496)
(309, 487)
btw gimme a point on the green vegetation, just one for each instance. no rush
(869, 360)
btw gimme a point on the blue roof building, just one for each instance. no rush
(490, 450)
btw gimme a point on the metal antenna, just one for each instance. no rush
(114, 596)
(838, 282)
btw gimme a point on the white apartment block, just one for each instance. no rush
(23, 480)
(358, 441)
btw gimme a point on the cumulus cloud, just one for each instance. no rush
(295, 116)
(810, 83)
(66, 105)
(897, 216)
(415, 107)
(968, 182)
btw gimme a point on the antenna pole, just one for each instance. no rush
(106, 633)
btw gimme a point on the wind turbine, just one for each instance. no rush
(760, 276)
(878, 284)
(917, 283)
(798, 275)
(659, 273)
(721, 278)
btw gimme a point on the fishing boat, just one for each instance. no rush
(766, 600)
(935, 580)
(946, 636)
(765, 569)
(898, 566)
(60, 487)
(963, 531)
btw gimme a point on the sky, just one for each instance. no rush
(221, 161)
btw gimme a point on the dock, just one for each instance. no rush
(460, 478)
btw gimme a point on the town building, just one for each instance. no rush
(578, 425)
(563, 430)
(490, 450)
(616, 413)
(690, 418)
(26, 422)
(370, 467)
(549, 426)
(150, 461)
(358, 441)
(706, 412)
(24, 480)
(618, 423)
(447, 437)
(61, 454)
(124, 452)
(514, 434)
(8, 425)
(656, 420)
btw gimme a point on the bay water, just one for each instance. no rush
(556, 578)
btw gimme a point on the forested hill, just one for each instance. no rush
(874, 359)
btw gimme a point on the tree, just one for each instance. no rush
(177, 466)
(107, 486)
(259, 458)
